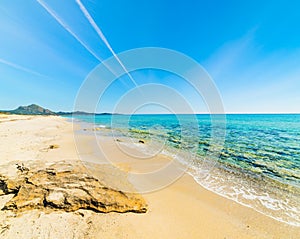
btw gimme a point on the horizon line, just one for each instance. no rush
(197, 113)
(160, 113)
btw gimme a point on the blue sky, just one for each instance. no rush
(250, 48)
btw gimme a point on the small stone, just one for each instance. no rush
(53, 146)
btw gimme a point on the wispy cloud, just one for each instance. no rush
(18, 67)
(261, 81)
(230, 54)
(273, 75)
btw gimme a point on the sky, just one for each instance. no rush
(251, 50)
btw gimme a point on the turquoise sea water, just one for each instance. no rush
(258, 164)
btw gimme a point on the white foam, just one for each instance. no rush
(100, 126)
(277, 209)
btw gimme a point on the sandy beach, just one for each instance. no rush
(184, 209)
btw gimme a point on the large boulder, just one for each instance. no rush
(66, 187)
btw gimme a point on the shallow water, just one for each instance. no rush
(257, 162)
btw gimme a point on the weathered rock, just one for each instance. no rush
(68, 188)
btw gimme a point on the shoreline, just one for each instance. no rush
(270, 200)
(183, 209)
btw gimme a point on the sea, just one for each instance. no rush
(253, 159)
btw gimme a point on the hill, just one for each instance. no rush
(32, 109)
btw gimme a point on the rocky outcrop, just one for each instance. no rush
(65, 187)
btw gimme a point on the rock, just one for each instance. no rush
(141, 141)
(98, 128)
(53, 146)
(69, 190)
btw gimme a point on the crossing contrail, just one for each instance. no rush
(66, 27)
(18, 67)
(101, 35)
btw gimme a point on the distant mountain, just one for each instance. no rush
(81, 113)
(31, 110)
(34, 109)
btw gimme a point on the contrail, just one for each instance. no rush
(101, 35)
(67, 28)
(20, 67)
